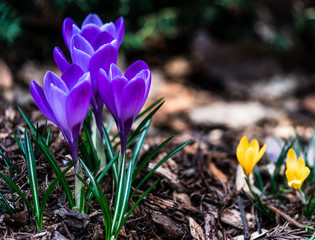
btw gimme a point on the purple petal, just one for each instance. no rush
(135, 68)
(120, 30)
(106, 92)
(118, 85)
(81, 59)
(110, 28)
(72, 75)
(92, 19)
(51, 78)
(103, 58)
(67, 31)
(114, 71)
(41, 101)
(102, 39)
(77, 104)
(56, 99)
(60, 59)
(132, 99)
(89, 32)
(80, 43)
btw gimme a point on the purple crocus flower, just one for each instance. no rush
(92, 39)
(91, 61)
(125, 95)
(65, 101)
(91, 29)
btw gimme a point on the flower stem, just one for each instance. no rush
(98, 143)
(78, 187)
(302, 196)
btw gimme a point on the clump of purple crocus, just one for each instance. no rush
(125, 95)
(65, 101)
(91, 29)
(89, 49)
(89, 61)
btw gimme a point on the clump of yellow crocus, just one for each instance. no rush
(296, 171)
(248, 154)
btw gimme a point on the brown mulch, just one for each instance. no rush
(195, 198)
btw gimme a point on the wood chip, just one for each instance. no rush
(232, 217)
(195, 230)
(217, 172)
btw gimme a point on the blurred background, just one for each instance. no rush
(206, 51)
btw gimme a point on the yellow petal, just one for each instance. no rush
(304, 173)
(255, 145)
(261, 152)
(243, 143)
(301, 163)
(249, 164)
(289, 173)
(291, 159)
(296, 184)
(240, 154)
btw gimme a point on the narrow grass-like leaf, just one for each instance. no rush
(48, 138)
(90, 142)
(99, 178)
(149, 108)
(159, 164)
(138, 147)
(149, 157)
(18, 191)
(145, 120)
(111, 153)
(258, 200)
(97, 191)
(128, 179)
(84, 149)
(258, 178)
(51, 160)
(134, 206)
(119, 191)
(32, 175)
(49, 191)
(6, 206)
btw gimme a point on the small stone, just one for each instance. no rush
(6, 76)
(72, 218)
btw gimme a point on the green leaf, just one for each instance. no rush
(159, 164)
(32, 176)
(18, 191)
(149, 108)
(51, 160)
(149, 157)
(119, 192)
(49, 191)
(100, 177)
(145, 120)
(111, 153)
(134, 206)
(92, 148)
(98, 193)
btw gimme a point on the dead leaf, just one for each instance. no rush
(195, 230)
(217, 172)
(232, 217)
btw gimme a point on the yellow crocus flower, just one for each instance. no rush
(296, 171)
(248, 154)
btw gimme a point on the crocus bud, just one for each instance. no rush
(248, 154)
(296, 171)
